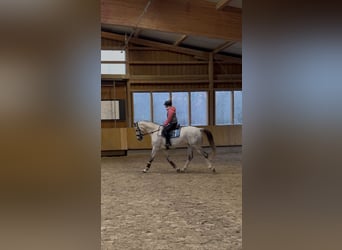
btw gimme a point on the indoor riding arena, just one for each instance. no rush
(194, 62)
(163, 209)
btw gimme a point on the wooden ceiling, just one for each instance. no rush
(210, 26)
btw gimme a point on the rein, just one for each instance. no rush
(148, 133)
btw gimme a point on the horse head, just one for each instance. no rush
(138, 132)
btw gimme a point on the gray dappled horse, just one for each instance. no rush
(190, 136)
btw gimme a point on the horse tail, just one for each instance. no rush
(210, 139)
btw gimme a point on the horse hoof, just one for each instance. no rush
(144, 171)
(214, 171)
(178, 170)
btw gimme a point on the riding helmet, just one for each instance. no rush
(168, 103)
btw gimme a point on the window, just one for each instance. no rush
(113, 62)
(228, 107)
(181, 101)
(199, 108)
(188, 104)
(113, 69)
(142, 106)
(237, 107)
(113, 55)
(223, 107)
(159, 113)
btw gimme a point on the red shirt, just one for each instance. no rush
(171, 113)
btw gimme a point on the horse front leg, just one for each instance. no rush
(149, 163)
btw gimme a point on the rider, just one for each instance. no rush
(170, 123)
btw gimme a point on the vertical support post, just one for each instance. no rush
(211, 89)
(114, 97)
(129, 114)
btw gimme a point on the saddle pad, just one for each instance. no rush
(175, 133)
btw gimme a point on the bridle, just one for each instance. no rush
(140, 134)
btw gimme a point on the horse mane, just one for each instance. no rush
(149, 122)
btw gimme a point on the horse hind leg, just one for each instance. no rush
(170, 161)
(201, 151)
(190, 155)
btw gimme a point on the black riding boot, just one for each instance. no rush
(168, 142)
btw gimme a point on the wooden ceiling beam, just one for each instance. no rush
(227, 59)
(181, 39)
(134, 40)
(137, 32)
(221, 4)
(223, 46)
(196, 53)
(191, 17)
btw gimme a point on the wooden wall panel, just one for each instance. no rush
(224, 68)
(133, 143)
(169, 87)
(111, 44)
(168, 70)
(157, 55)
(114, 139)
(227, 135)
(109, 92)
(113, 124)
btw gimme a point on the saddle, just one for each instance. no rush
(175, 132)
